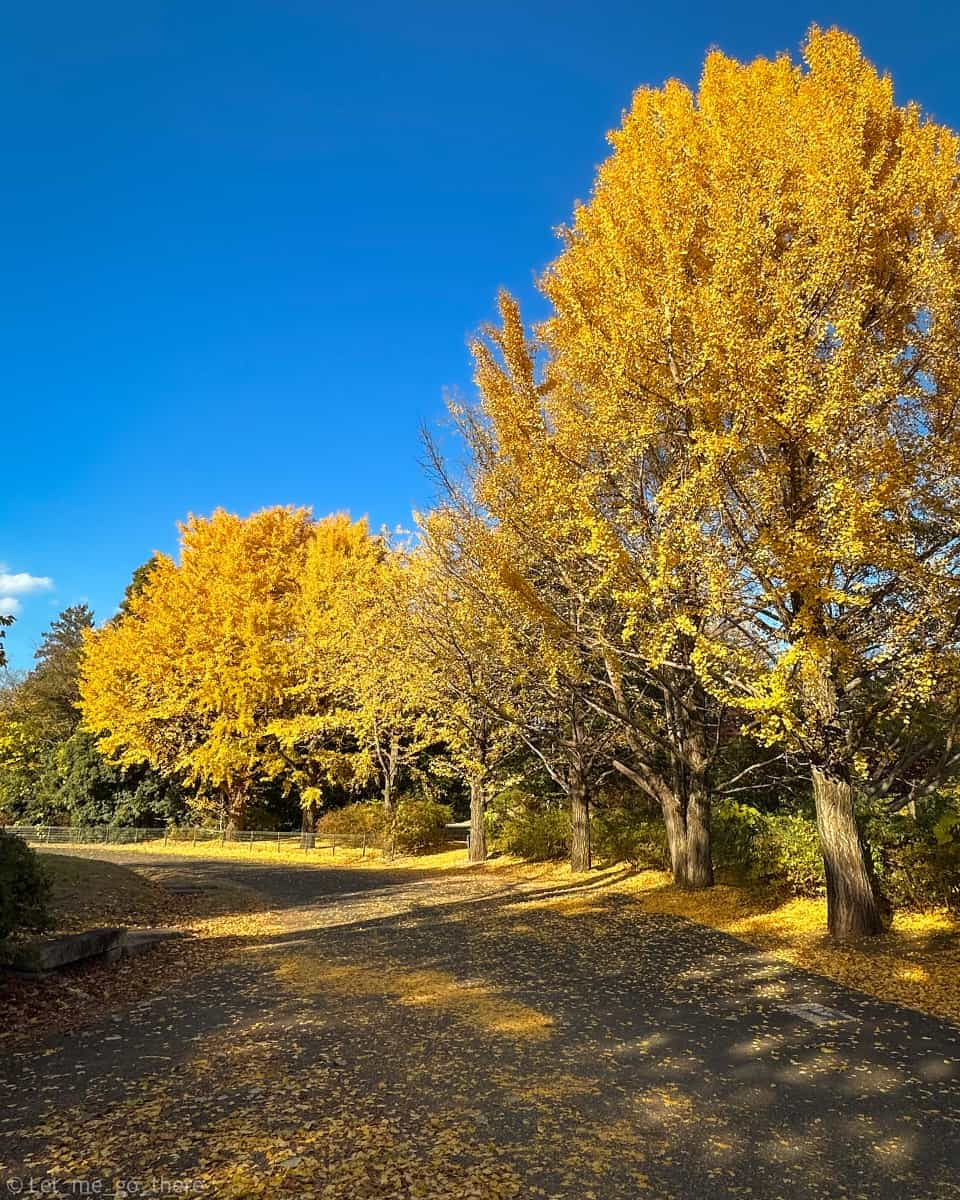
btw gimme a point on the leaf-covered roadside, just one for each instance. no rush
(916, 963)
(89, 893)
(491, 1038)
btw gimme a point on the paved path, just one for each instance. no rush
(394, 1035)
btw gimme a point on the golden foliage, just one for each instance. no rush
(183, 679)
(753, 357)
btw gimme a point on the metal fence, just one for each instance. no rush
(196, 835)
(254, 839)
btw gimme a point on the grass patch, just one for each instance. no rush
(88, 893)
(289, 856)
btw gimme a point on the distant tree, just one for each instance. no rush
(6, 620)
(52, 687)
(190, 677)
(395, 718)
(137, 584)
(312, 736)
(38, 713)
(94, 791)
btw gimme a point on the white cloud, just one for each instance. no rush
(22, 584)
(15, 584)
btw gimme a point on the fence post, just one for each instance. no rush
(164, 835)
(363, 852)
(194, 835)
(278, 841)
(333, 846)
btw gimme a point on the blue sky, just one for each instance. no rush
(245, 244)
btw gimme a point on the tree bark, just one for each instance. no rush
(478, 827)
(580, 856)
(683, 792)
(699, 856)
(676, 826)
(389, 779)
(852, 907)
(309, 826)
(235, 797)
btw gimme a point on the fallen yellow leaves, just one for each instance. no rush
(917, 963)
(88, 893)
(469, 1001)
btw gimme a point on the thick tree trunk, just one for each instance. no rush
(235, 803)
(688, 838)
(683, 792)
(852, 908)
(676, 826)
(580, 857)
(309, 826)
(478, 827)
(699, 858)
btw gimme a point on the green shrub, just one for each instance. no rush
(538, 835)
(24, 888)
(502, 806)
(363, 817)
(620, 835)
(787, 850)
(916, 854)
(734, 829)
(418, 825)
(780, 848)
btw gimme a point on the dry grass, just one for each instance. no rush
(88, 893)
(267, 852)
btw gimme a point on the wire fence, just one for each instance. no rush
(196, 835)
(254, 839)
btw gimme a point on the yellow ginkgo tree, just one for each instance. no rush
(313, 738)
(394, 710)
(188, 678)
(464, 676)
(581, 548)
(757, 311)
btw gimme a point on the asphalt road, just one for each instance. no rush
(397, 1035)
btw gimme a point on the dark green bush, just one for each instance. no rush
(779, 848)
(787, 850)
(418, 825)
(622, 836)
(502, 806)
(916, 852)
(24, 888)
(363, 817)
(734, 829)
(536, 834)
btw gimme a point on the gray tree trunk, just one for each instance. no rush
(580, 853)
(852, 907)
(478, 827)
